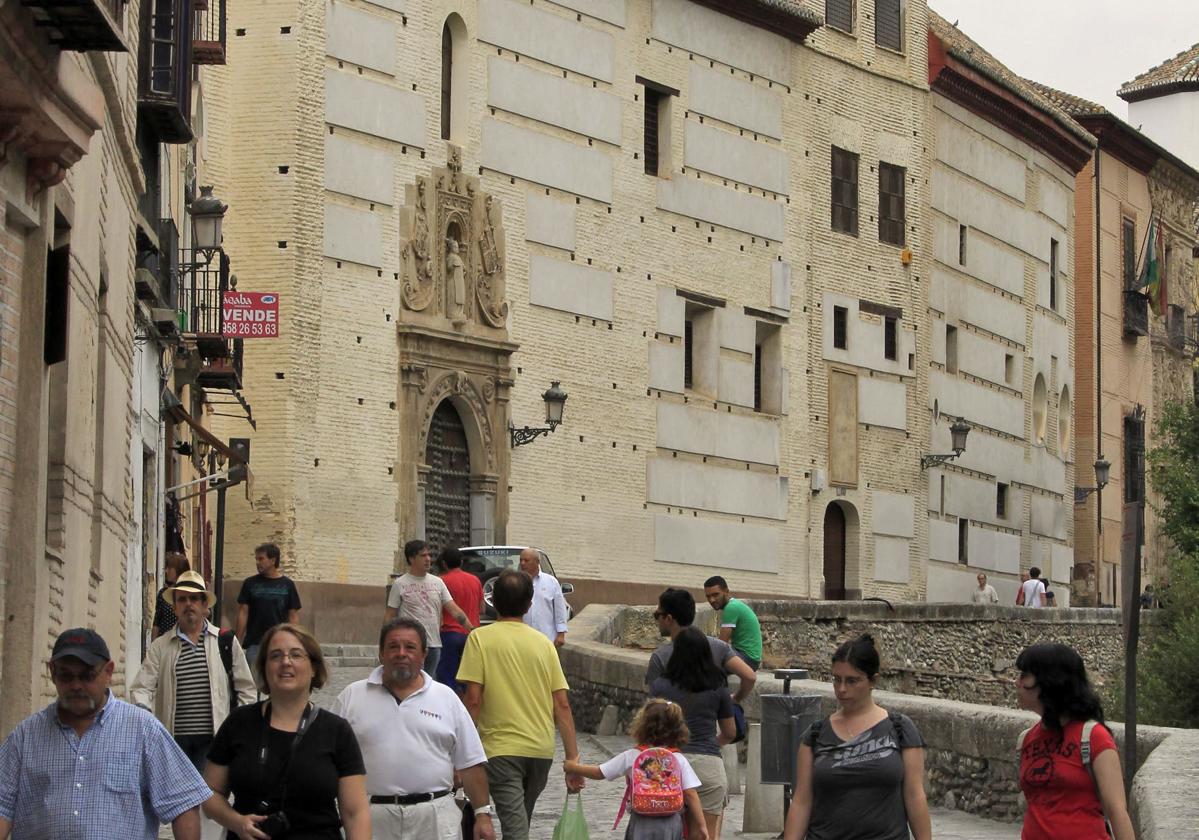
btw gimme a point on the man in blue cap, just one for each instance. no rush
(90, 766)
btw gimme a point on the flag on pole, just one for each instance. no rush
(1151, 279)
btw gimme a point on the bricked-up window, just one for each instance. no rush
(1128, 240)
(840, 328)
(688, 345)
(1001, 501)
(890, 338)
(839, 14)
(845, 191)
(1053, 274)
(891, 211)
(963, 541)
(656, 134)
(888, 24)
(447, 78)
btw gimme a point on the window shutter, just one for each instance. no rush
(652, 98)
(888, 30)
(839, 14)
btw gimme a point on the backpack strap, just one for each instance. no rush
(896, 719)
(224, 643)
(624, 801)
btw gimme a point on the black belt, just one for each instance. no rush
(408, 798)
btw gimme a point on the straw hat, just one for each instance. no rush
(189, 582)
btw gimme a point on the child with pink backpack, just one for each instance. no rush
(660, 782)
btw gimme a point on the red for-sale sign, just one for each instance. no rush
(250, 315)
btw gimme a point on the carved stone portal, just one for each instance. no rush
(452, 248)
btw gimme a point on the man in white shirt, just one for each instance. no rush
(548, 613)
(421, 596)
(1034, 589)
(415, 734)
(985, 594)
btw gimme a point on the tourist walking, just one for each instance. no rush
(985, 593)
(293, 769)
(1069, 768)
(657, 766)
(676, 610)
(418, 595)
(516, 693)
(92, 767)
(860, 771)
(738, 624)
(467, 593)
(694, 681)
(415, 735)
(184, 680)
(1033, 589)
(266, 599)
(549, 612)
(174, 565)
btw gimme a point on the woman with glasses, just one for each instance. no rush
(1069, 767)
(860, 773)
(292, 768)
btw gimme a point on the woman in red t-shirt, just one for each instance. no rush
(1065, 801)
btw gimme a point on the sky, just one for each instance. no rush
(1085, 47)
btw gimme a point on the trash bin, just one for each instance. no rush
(785, 717)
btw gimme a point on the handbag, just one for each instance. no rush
(572, 825)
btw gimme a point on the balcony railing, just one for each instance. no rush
(164, 69)
(1136, 313)
(208, 32)
(82, 25)
(202, 319)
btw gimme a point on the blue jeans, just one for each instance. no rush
(452, 645)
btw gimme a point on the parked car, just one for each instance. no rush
(487, 561)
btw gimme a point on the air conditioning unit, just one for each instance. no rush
(164, 320)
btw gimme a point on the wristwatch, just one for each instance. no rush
(484, 810)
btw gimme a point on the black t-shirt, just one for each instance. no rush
(164, 612)
(702, 711)
(269, 600)
(857, 785)
(327, 752)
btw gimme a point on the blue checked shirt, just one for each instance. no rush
(124, 777)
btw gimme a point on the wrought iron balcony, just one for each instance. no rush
(208, 32)
(164, 69)
(82, 25)
(202, 320)
(1136, 313)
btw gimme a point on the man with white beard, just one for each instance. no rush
(415, 736)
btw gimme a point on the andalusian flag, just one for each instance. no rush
(1151, 277)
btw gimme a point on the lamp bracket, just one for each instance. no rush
(527, 434)
(927, 461)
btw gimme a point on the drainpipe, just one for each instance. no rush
(1097, 565)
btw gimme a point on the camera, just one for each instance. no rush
(276, 824)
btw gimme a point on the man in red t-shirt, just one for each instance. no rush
(467, 593)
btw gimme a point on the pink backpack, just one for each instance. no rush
(655, 785)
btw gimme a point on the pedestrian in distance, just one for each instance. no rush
(516, 693)
(985, 593)
(467, 593)
(193, 676)
(860, 771)
(694, 681)
(676, 610)
(660, 733)
(415, 735)
(1069, 768)
(1033, 589)
(266, 599)
(293, 769)
(1020, 589)
(738, 624)
(549, 613)
(418, 595)
(174, 565)
(1149, 598)
(92, 767)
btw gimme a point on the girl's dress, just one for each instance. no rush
(650, 828)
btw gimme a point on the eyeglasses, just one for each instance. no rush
(291, 655)
(68, 677)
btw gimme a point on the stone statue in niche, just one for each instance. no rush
(455, 272)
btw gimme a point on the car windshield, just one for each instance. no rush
(481, 560)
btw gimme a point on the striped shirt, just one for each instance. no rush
(122, 778)
(193, 697)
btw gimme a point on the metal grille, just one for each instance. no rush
(447, 493)
(208, 32)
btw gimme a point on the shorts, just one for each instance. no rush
(713, 783)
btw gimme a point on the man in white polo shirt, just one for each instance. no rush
(415, 734)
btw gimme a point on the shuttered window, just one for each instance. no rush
(688, 353)
(1129, 241)
(845, 191)
(888, 24)
(653, 103)
(840, 328)
(839, 14)
(891, 210)
(1134, 458)
(890, 338)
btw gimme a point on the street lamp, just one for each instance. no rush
(555, 404)
(1103, 469)
(207, 213)
(957, 433)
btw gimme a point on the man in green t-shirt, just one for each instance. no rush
(738, 624)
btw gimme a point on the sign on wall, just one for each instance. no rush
(250, 315)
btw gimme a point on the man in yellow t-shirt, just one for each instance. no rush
(516, 693)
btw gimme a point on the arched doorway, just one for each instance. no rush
(447, 489)
(834, 553)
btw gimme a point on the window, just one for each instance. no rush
(54, 340)
(1053, 274)
(757, 377)
(656, 127)
(1065, 411)
(1009, 369)
(447, 76)
(888, 24)
(1134, 457)
(1001, 501)
(688, 359)
(890, 338)
(890, 203)
(961, 244)
(454, 67)
(1128, 240)
(839, 14)
(963, 541)
(845, 191)
(768, 368)
(700, 349)
(1040, 404)
(951, 349)
(840, 328)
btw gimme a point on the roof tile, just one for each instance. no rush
(1181, 70)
